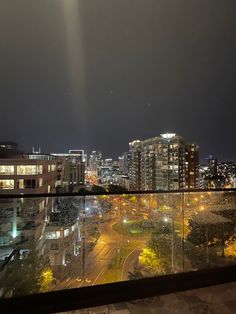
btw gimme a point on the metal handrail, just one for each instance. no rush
(88, 193)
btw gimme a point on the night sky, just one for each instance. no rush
(96, 74)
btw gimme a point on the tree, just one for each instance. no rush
(116, 189)
(135, 274)
(209, 228)
(152, 262)
(162, 228)
(83, 191)
(98, 189)
(46, 280)
(167, 245)
(25, 276)
(231, 248)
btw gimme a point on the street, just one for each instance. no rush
(98, 260)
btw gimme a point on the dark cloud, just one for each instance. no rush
(97, 74)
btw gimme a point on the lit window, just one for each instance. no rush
(6, 184)
(9, 170)
(27, 170)
(53, 167)
(40, 182)
(20, 184)
(26, 184)
(52, 235)
(40, 169)
(66, 232)
(49, 168)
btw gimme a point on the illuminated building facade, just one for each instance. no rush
(24, 221)
(27, 176)
(71, 169)
(62, 242)
(95, 161)
(219, 174)
(134, 165)
(166, 162)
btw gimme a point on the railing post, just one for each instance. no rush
(172, 242)
(83, 238)
(183, 235)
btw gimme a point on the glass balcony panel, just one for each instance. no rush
(56, 243)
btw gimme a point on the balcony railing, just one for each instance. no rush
(68, 251)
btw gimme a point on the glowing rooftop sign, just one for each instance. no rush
(168, 135)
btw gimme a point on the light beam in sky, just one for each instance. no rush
(76, 63)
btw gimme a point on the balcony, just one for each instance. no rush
(94, 250)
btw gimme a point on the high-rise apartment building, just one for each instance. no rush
(191, 162)
(134, 165)
(166, 162)
(95, 160)
(71, 169)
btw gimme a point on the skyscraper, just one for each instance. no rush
(134, 165)
(166, 162)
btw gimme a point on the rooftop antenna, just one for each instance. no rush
(35, 151)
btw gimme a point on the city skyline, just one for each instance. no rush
(117, 156)
(40, 149)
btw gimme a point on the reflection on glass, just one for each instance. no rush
(80, 241)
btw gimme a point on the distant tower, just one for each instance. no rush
(212, 164)
(35, 151)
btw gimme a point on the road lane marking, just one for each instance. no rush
(80, 284)
(70, 282)
(122, 273)
(101, 272)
